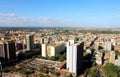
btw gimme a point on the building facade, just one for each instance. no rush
(44, 50)
(108, 45)
(52, 50)
(75, 57)
(8, 51)
(30, 42)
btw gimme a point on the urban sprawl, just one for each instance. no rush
(59, 52)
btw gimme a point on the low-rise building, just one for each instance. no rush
(110, 56)
(52, 49)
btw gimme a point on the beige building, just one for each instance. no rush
(110, 56)
(52, 49)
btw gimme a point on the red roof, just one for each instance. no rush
(62, 64)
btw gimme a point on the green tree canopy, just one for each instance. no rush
(111, 70)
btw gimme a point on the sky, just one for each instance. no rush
(60, 13)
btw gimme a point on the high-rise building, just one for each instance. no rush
(8, 51)
(44, 50)
(19, 45)
(3, 51)
(42, 40)
(75, 57)
(30, 42)
(108, 45)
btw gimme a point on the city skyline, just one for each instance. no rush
(60, 13)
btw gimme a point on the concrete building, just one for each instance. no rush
(99, 58)
(96, 46)
(44, 50)
(42, 40)
(108, 45)
(3, 51)
(19, 45)
(110, 56)
(30, 42)
(71, 42)
(49, 39)
(117, 61)
(88, 51)
(52, 49)
(8, 51)
(75, 57)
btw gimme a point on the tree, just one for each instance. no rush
(24, 71)
(6, 69)
(42, 68)
(57, 56)
(52, 58)
(70, 75)
(87, 71)
(93, 72)
(41, 75)
(63, 57)
(9, 69)
(57, 74)
(112, 69)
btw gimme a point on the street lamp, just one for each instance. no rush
(0, 69)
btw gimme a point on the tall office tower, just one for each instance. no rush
(30, 42)
(108, 45)
(75, 57)
(44, 50)
(8, 51)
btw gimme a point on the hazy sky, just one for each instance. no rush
(82, 13)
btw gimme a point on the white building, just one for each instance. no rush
(99, 56)
(88, 51)
(108, 45)
(44, 50)
(42, 40)
(117, 61)
(75, 57)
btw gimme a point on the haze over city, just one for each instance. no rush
(60, 13)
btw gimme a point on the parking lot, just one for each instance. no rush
(35, 63)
